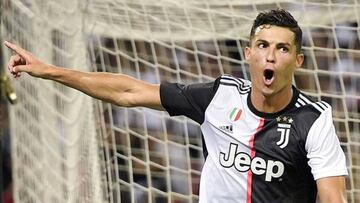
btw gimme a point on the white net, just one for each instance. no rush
(145, 155)
(54, 148)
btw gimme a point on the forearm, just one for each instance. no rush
(118, 89)
(332, 189)
(331, 198)
(114, 88)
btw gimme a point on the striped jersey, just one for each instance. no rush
(251, 156)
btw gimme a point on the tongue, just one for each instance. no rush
(268, 82)
(268, 78)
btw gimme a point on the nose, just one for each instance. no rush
(270, 58)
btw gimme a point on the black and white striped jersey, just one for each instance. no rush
(257, 157)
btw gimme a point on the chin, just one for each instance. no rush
(267, 94)
(267, 91)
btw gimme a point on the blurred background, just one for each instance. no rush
(67, 147)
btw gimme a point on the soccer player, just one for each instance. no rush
(265, 141)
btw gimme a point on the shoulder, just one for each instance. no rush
(309, 114)
(305, 104)
(242, 85)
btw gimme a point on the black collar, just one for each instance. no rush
(276, 114)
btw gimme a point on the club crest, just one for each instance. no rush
(284, 126)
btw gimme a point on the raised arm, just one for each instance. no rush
(118, 89)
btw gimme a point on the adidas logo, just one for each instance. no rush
(227, 128)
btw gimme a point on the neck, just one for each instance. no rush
(273, 103)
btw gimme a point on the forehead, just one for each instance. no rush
(276, 34)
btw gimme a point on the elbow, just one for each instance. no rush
(332, 189)
(335, 201)
(333, 198)
(124, 100)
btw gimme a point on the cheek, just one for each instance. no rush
(288, 68)
(286, 61)
(255, 73)
(257, 63)
(256, 59)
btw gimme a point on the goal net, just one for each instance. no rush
(67, 147)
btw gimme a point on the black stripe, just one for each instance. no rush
(300, 105)
(309, 100)
(237, 80)
(299, 99)
(316, 103)
(237, 87)
(241, 87)
(324, 103)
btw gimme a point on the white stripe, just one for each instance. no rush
(297, 105)
(283, 125)
(305, 99)
(229, 81)
(326, 104)
(233, 78)
(241, 81)
(322, 105)
(241, 88)
(235, 82)
(301, 102)
(317, 107)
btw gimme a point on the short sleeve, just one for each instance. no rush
(188, 100)
(326, 158)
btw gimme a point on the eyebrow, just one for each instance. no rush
(284, 44)
(278, 44)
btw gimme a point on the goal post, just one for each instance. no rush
(71, 148)
(53, 131)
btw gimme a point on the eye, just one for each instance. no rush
(284, 49)
(262, 45)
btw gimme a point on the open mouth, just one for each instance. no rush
(268, 76)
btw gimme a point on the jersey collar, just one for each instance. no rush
(276, 114)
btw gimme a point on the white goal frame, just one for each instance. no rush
(71, 148)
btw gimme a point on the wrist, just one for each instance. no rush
(51, 72)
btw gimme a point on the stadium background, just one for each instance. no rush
(67, 147)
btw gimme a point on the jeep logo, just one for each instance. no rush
(243, 163)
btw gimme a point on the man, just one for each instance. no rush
(264, 141)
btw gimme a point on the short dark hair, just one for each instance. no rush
(281, 18)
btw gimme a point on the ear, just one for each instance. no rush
(299, 60)
(247, 53)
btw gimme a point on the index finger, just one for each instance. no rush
(22, 52)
